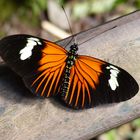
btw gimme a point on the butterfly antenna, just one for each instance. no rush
(73, 36)
(67, 20)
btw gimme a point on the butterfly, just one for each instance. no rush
(80, 81)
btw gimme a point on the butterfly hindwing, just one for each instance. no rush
(39, 62)
(94, 82)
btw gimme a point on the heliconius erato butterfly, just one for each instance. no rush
(80, 81)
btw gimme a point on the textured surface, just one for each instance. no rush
(23, 116)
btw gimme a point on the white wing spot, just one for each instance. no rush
(26, 52)
(113, 77)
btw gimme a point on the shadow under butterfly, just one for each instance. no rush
(79, 81)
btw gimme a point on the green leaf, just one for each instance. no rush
(136, 123)
(111, 134)
(102, 6)
(7, 10)
(81, 9)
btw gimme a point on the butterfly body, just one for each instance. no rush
(72, 54)
(80, 81)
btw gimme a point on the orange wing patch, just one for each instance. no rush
(47, 78)
(52, 48)
(84, 77)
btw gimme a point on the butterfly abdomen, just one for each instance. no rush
(72, 54)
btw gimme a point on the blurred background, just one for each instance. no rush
(46, 19)
(40, 17)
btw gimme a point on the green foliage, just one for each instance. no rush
(7, 8)
(61, 2)
(137, 3)
(102, 6)
(128, 131)
(32, 10)
(81, 9)
(136, 123)
(118, 2)
(111, 134)
(28, 10)
(84, 8)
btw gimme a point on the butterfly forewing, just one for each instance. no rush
(40, 63)
(94, 82)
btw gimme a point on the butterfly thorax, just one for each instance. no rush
(72, 54)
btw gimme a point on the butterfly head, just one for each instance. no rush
(73, 50)
(74, 47)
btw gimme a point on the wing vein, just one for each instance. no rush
(86, 73)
